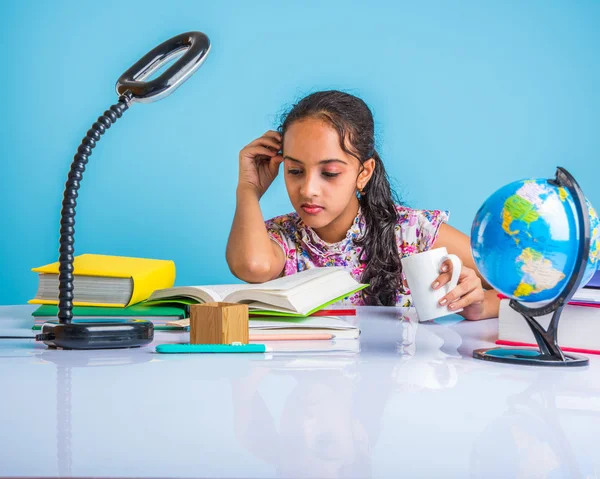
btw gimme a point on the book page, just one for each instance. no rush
(288, 283)
(310, 288)
(220, 291)
(314, 322)
(204, 294)
(260, 306)
(587, 295)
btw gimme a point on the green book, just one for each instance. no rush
(158, 315)
(296, 295)
(157, 327)
(139, 310)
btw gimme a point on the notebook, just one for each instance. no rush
(340, 328)
(587, 295)
(103, 280)
(578, 328)
(158, 315)
(297, 295)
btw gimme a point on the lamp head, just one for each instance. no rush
(195, 46)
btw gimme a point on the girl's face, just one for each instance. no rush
(321, 179)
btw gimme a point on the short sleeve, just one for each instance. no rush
(277, 234)
(417, 230)
(429, 222)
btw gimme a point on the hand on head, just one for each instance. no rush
(259, 162)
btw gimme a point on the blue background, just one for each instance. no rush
(467, 96)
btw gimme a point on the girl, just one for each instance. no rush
(345, 213)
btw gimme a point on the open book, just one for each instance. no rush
(300, 294)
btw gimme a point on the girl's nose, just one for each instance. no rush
(309, 188)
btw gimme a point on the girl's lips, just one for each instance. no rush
(312, 209)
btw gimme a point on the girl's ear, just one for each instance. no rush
(367, 170)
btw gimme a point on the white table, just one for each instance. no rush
(410, 405)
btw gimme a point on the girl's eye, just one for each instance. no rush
(329, 174)
(294, 172)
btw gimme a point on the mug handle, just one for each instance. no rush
(456, 269)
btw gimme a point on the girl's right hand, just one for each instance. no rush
(259, 162)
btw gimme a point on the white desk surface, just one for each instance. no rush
(412, 403)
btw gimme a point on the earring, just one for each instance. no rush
(359, 192)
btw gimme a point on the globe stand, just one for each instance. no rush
(549, 353)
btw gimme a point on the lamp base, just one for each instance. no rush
(103, 333)
(528, 356)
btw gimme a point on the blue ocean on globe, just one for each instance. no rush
(525, 237)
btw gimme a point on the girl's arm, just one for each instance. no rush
(251, 255)
(481, 300)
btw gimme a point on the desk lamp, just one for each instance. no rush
(131, 88)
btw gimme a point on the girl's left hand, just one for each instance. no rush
(468, 294)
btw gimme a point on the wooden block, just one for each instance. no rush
(219, 323)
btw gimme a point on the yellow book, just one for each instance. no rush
(102, 280)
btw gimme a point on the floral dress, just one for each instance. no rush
(416, 231)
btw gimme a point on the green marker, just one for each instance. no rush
(211, 348)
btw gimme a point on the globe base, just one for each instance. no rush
(528, 356)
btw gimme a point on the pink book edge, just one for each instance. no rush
(503, 342)
(570, 303)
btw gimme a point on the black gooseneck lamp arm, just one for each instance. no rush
(131, 88)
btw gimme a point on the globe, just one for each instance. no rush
(525, 238)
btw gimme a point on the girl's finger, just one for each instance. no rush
(260, 151)
(461, 289)
(446, 267)
(446, 274)
(467, 300)
(266, 141)
(273, 134)
(274, 164)
(441, 280)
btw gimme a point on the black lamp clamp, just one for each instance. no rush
(549, 353)
(131, 88)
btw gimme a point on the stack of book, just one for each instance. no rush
(109, 287)
(578, 328)
(287, 313)
(315, 334)
(116, 287)
(336, 325)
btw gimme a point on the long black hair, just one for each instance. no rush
(353, 120)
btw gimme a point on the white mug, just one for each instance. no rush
(421, 270)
